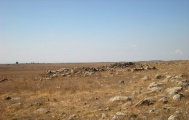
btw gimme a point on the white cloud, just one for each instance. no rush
(178, 52)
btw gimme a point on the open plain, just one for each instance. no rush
(153, 90)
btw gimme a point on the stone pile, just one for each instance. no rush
(143, 67)
(121, 65)
(88, 71)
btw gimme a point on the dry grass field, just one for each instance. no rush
(156, 90)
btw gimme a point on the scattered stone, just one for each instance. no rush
(4, 79)
(16, 98)
(158, 76)
(152, 110)
(178, 97)
(103, 116)
(48, 78)
(121, 82)
(155, 86)
(7, 98)
(73, 117)
(49, 72)
(146, 101)
(114, 117)
(174, 90)
(63, 70)
(64, 75)
(145, 78)
(133, 116)
(107, 109)
(138, 69)
(183, 83)
(173, 117)
(166, 107)
(42, 110)
(54, 75)
(37, 104)
(179, 76)
(146, 67)
(176, 78)
(125, 105)
(120, 98)
(136, 92)
(16, 104)
(168, 77)
(88, 74)
(164, 100)
(120, 114)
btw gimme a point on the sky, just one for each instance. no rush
(60, 31)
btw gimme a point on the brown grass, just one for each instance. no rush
(88, 97)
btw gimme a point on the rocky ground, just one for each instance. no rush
(157, 90)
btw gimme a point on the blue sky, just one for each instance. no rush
(93, 30)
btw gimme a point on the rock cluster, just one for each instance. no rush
(121, 65)
(164, 93)
(143, 67)
(88, 71)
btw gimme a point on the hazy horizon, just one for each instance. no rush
(88, 62)
(75, 31)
